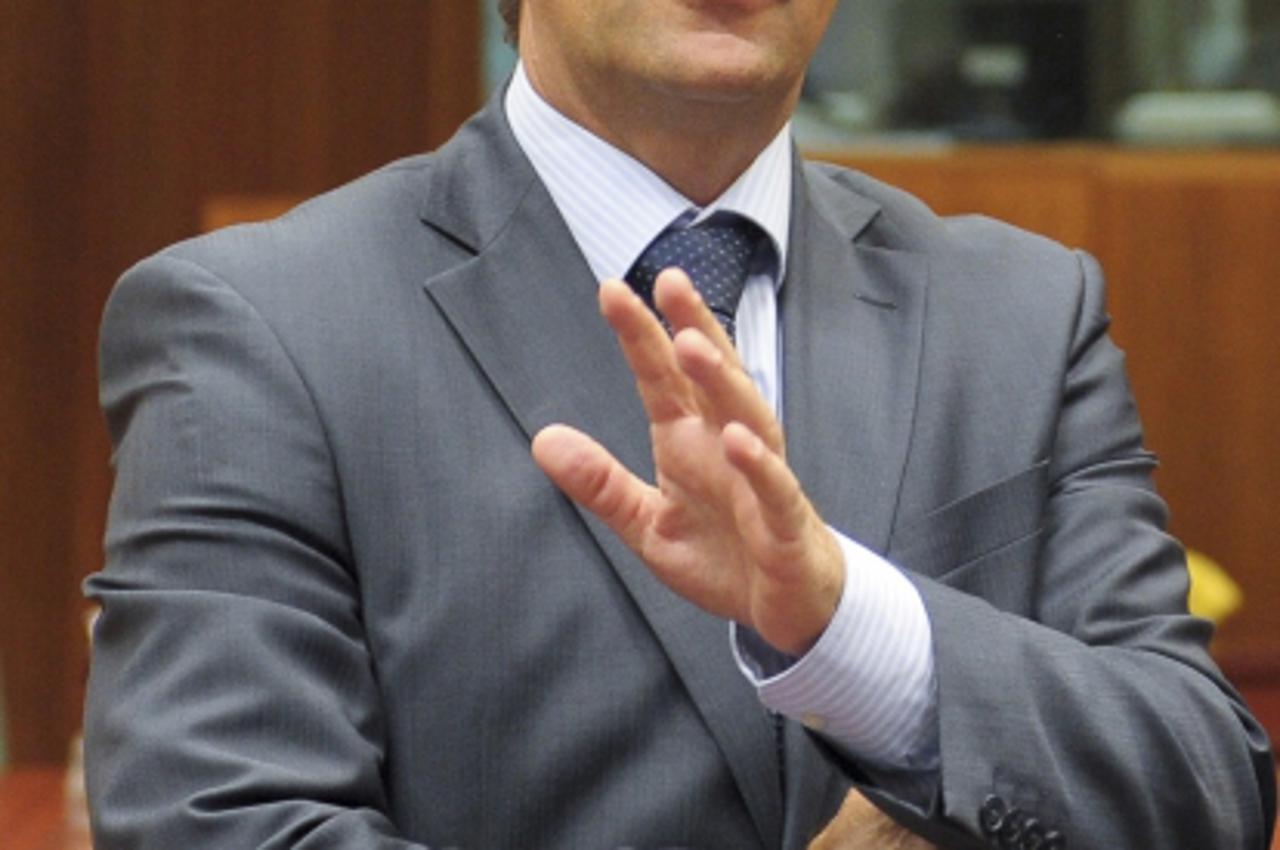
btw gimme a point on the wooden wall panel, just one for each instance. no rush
(191, 100)
(1193, 249)
(120, 119)
(41, 115)
(1044, 189)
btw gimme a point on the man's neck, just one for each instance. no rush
(699, 147)
(701, 159)
(613, 203)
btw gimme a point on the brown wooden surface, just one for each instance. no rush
(225, 210)
(37, 813)
(44, 366)
(1193, 247)
(117, 120)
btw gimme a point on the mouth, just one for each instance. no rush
(732, 7)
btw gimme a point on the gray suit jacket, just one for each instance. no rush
(343, 608)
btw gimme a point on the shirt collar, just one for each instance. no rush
(614, 205)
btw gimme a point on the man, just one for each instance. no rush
(346, 606)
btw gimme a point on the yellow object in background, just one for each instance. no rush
(1214, 595)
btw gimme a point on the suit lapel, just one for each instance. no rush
(525, 307)
(852, 319)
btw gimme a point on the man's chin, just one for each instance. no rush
(727, 82)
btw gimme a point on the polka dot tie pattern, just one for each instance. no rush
(716, 255)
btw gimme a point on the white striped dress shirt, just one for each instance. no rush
(867, 684)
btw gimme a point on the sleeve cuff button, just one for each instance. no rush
(991, 815)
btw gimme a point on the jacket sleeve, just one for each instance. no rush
(232, 700)
(1093, 718)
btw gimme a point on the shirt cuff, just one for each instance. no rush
(868, 683)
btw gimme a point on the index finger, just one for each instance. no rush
(666, 392)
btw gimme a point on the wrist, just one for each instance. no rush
(804, 613)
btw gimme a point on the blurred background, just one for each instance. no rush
(1147, 131)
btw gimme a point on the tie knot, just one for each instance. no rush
(716, 255)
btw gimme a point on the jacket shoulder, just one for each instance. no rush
(328, 231)
(969, 254)
(907, 222)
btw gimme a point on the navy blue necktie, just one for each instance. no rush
(716, 255)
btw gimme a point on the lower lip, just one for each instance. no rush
(737, 5)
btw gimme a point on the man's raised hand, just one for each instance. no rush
(726, 524)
